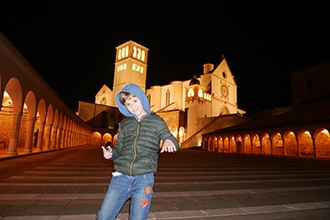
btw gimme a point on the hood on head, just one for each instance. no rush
(137, 91)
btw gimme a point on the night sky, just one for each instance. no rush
(72, 43)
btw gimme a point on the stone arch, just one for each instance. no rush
(220, 144)
(226, 144)
(31, 103)
(209, 144)
(96, 138)
(224, 110)
(12, 104)
(305, 143)
(290, 143)
(256, 145)
(204, 143)
(247, 145)
(239, 144)
(69, 132)
(266, 145)
(29, 113)
(232, 144)
(214, 143)
(14, 90)
(40, 123)
(277, 144)
(48, 126)
(107, 138)
(60, 131)
(55, 129)
(322, 142)
(66, 133)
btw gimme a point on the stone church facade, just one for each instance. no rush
(300, 130)
(186, 106)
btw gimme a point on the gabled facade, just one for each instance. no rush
(104, 96)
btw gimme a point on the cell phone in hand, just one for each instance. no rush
(107, 149)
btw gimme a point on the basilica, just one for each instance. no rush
(187, 106)
(201, 111)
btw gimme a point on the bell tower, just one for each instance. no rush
(198, 105)
(130, 66)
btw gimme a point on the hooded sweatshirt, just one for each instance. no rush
(137, 91)
(138, 142)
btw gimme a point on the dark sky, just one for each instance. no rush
(72, 43)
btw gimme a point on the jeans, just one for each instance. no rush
(121, 188)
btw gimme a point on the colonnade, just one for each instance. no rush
(29, 104)
(301, 142)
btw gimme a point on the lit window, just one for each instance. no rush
(134, 51)
(139, 53)
(141, 70)
(200, 93)
(119, 54)
(133, 66)
(143, 55)
(207, 96)
(126, 51)
(125, 66)
(123, 52)
(190, 92)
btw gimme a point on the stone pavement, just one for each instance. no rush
(70, 184)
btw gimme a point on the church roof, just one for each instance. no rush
(194, 81)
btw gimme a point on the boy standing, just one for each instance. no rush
(135, 155)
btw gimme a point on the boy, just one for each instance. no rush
(135, 155)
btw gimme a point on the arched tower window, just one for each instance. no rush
(134, 51)
(123, 52)
(200, 93)
(190, 92)
(143, 55)
(139, 53)
(126, 51)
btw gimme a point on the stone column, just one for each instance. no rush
(13, 139)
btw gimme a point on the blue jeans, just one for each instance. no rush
(121, 188)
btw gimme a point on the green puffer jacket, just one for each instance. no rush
(138, 144)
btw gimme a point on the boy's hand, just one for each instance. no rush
(168, 146)
(107, 152)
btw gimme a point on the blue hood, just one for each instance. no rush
(135, 90)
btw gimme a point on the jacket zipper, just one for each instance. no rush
(134, 149)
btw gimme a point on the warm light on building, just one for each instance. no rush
(189, 104)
